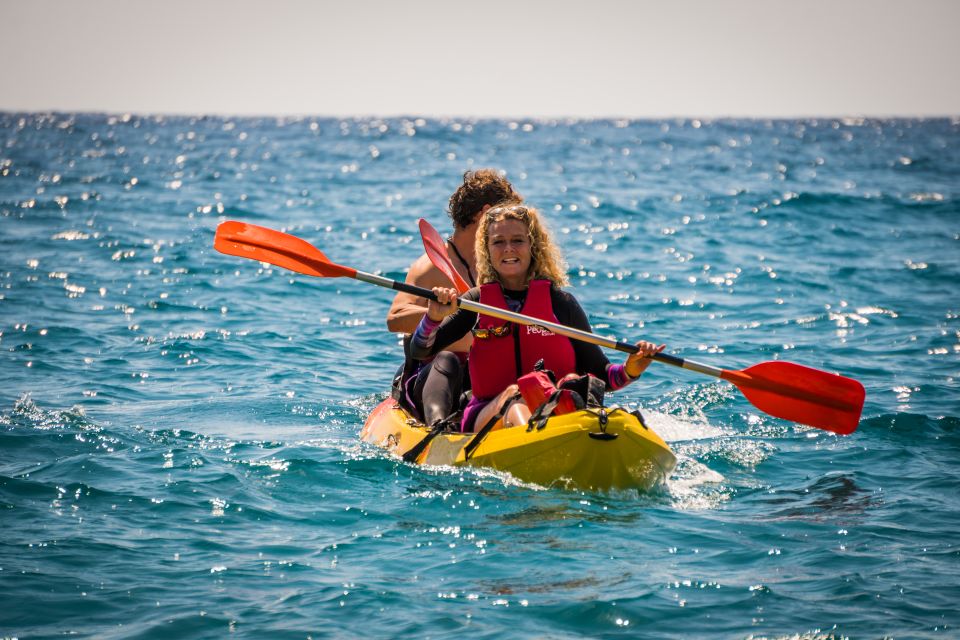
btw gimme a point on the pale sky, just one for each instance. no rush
(485, 58)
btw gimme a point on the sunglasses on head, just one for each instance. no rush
(514, 210)
(492, 332)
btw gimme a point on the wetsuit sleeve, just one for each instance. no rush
(590, 359)
(430, 339)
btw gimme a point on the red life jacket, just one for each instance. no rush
(496, 362)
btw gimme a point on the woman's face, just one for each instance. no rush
(508, 242)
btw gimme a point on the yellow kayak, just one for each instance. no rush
(593, 449)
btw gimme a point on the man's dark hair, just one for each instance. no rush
(481, 187)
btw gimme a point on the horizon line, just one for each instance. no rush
(299, 115)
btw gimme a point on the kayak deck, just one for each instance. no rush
(573, 450)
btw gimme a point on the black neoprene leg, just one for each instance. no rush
(437, 388)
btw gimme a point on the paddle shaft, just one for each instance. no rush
(563, 330)
(738, 378)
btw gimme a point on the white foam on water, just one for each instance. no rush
(693, 486)
(696, 487)
(674, 429)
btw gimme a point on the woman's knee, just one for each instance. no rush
(447, 364)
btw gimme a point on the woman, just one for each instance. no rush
(519, 268)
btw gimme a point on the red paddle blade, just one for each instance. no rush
(801, 394)
(436, 250)
(278, 248)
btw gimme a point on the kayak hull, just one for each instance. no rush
(574, 450)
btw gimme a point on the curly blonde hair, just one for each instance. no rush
(546, 262)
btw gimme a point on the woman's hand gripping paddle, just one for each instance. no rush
(782, 389)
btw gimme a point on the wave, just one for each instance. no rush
(916, 428)
(864, 202)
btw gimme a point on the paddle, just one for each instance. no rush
(782, 389)
(436, 249)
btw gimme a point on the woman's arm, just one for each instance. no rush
(590, 359)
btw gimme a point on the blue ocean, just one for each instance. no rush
(179, 451)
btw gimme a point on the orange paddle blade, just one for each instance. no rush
(802, 394)
(436, 250)
(278, 248)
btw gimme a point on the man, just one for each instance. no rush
(432, 389)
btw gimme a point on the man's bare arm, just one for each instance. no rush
(407, 309)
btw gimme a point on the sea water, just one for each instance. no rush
(178, 428)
